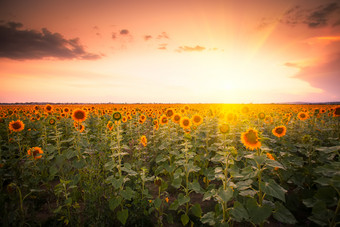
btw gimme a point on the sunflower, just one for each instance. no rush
(336, 111)
(197, 119)
(250, 139)
(79, 127)
(35, 152)
(143, 141)
(16, 126)
(224, 128)
(163, 120)
(245, 109)
(48, 108)
(66, 110)
(261, 116)
(142, 117)
(116, 116)
(185, 123)
(169, 112)
(279, 131)
(176, 118)
(155, 122)
(303, 116)
(156, 127)
(52, 121)
(37, 108)
(270, 156)
(110, 125)
(124, 119)
(79, 115)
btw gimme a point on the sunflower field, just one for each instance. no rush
(170, 165)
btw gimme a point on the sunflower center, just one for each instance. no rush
(303, 115)
(16, 125)
(35, 152)
(251, 137)
(197, 119)
(186, 122)
(164, 120)
(279, 130)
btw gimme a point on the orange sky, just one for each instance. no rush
(170, 51)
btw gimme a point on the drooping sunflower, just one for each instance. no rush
(279, 131)
(16, 126)
(185, 123)
(336, 112)
(35, 152)
(79, 127)
(176, 118)
(303, 116)
(163, 120)
(250, 139)
(48, 108)
(116, 116)
(143, 141)
(224, 128)
(79, 115)
(197, 119)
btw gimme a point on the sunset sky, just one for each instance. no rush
(169, 51)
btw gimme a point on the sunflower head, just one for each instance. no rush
(169, 112)
(250, 139)
(176, 118)
(261, 116)
(185, 123)
(16, 126)
(110, 125)
(48, 108)
(336, 112)
(35, 152)
(79, 115)
(197, 119)
(52, 121)
(303, 116)
(116, 116)
(124, 119)
(163, 120)
(224, 128)
(143, 141)
(279, 131)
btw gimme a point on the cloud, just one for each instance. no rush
(163, 35)
(318, 17)
(323, 74)
(124, 32)
(30, 44)
(190, 49)
(147, 37)
(162, 46)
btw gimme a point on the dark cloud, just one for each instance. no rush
(31, 44)
(124, 32)
(318, 17)
(190, 49)
(324, 75)
(147, 37)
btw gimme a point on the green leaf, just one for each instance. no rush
(123, 215)
(128, 193)
(258, 214)
(117, 183)
(184, 219)
(182, 199)
(195, 186)
(238, 212)
(177, 182)
(196, 210)
(275, 164)
(282, 214)
(158, 203)
(114, 202)
(209, 218)
(273, 189)
(174, 205)
(226, 195)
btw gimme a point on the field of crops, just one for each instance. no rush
(170, 165)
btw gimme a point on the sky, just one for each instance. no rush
(169, 51)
